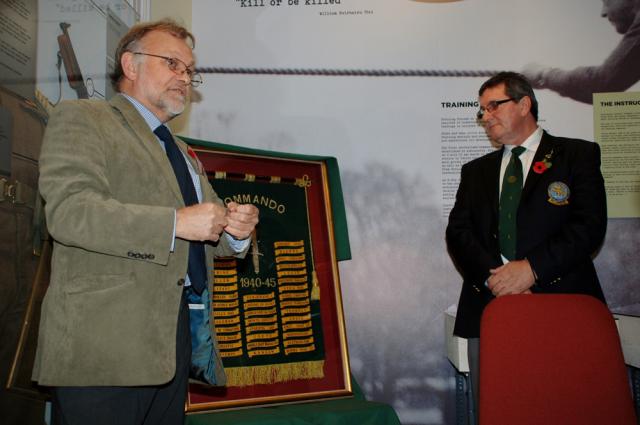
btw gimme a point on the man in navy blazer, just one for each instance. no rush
(561, 217)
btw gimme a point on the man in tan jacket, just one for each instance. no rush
(136, 226)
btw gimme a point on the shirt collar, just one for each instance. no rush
(530, 143)
(152, 121)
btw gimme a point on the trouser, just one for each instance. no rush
(161, 405)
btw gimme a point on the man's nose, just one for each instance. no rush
(184, 77)
(603, 12)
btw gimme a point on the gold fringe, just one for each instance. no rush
(315, 286)
(270, 374)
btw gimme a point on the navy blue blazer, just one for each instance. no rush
(561, 222)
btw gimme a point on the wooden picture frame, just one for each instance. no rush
(297, 349)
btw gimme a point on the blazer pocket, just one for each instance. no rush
(107, 323)
(97, 283)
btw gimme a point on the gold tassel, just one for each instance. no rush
(270, 374)
(315, 287)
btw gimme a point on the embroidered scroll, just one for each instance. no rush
(266, 307)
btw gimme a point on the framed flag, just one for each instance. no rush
(277, 312)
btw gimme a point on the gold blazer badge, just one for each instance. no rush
(558, 193)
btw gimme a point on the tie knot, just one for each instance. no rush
(163, 133)
(518, 150)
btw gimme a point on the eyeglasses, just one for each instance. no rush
(491, 107)
(178, 67)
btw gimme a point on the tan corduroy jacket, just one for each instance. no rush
(109, 315)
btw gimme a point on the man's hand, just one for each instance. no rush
(241, 220)
(515, 277)
(201, 222)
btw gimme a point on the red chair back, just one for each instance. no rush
(552, 359)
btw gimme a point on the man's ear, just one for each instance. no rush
(129, 66)
(525, 105)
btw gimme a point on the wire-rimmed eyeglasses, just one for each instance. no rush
(491, 107)
(177, 66)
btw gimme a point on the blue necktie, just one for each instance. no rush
(509, 201)
(197, 270)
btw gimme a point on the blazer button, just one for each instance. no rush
(180, 282)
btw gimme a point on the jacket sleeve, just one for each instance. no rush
(81, 209)
(468, 233)
(222, 248)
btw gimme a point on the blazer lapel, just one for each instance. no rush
(145, 136)
(197, 166)
(547, 147)
(492, 180)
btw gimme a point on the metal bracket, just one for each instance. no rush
(18, 193)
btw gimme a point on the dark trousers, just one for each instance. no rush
(161, 405)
